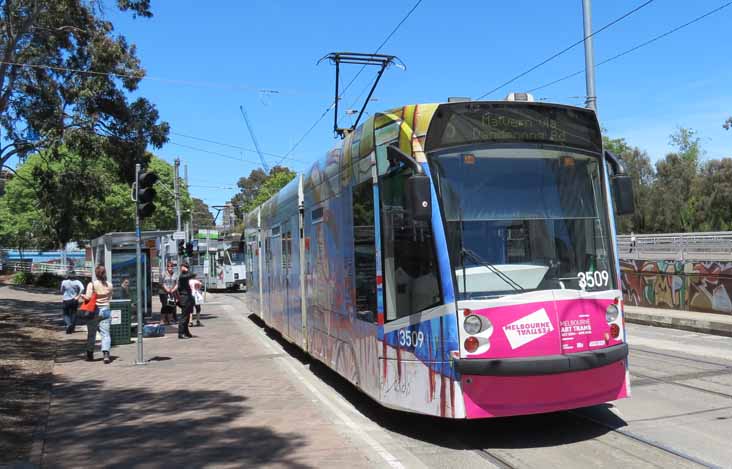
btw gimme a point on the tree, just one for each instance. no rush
(257, 183)
(63, 79)
(672, 205)
(53, 194)
(117, 211)
(712, 196)
(202, 217)
(87, 199)
(640, 169)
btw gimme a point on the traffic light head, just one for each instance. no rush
(146, 193)
(189, 249)
(181, 246)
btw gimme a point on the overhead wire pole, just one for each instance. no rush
(591, 102)
(176, 189)
(565, 50)
(636, 47)
(189, 223)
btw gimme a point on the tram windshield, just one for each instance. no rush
(524, 219)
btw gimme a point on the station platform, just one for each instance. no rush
(706, 323)
(220, 399)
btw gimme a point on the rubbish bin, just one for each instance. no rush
(121, 326)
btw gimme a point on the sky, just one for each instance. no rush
(205, 59)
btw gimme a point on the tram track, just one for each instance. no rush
(530, 454)
(724, 369)
(678, 357)
(643, 440)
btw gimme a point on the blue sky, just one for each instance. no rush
(204, 59)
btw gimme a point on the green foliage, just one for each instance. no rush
(682, 194)
(202, 217)
(41, 108)
(22, 278)
(86, 199)
(47, 280)
(258, 187)
(641, 171)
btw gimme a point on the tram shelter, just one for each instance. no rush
(116, 252)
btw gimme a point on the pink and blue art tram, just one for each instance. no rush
(454, 259)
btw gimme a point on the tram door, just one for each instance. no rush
(294, 311)
(266, 278)
(277, 295)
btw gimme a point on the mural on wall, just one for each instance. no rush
(685, 285)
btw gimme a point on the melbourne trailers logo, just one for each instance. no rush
(528, 328)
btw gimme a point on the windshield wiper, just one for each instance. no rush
(476, 258)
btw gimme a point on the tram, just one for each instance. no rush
(454, 259)
(219, 265)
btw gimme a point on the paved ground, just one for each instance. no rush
(237, 397)
(218, 400)
(708, 323)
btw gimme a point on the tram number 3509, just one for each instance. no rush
(409, 338)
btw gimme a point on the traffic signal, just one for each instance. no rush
(181, 247)
(189, 249)
(146, 193)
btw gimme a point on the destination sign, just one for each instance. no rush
(512, 122)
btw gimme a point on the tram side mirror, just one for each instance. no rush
(623, 195)
(419, 197)
(622, 185)
(418, 192)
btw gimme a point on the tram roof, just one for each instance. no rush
(406, 126)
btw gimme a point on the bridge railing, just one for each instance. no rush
(82, 269)
(709, 246)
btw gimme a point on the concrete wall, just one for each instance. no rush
(686, 285)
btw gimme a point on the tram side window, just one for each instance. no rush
(410, 262)
(364, 251)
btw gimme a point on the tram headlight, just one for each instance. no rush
(472, 324)
(611, 313)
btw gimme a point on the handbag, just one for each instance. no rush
(171, 300)
(89, 307)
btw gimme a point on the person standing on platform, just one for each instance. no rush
(186, 301)
(71, 290)
(102, 316)
(169, 284)
(196, 287)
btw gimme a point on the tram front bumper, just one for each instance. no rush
(545, 365)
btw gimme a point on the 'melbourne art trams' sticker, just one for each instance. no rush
(528, 328)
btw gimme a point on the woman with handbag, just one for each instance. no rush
(100, 291)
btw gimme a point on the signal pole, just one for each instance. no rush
(138, 255)
(176, 188)
(591, 102)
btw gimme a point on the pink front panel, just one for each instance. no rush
(547, 328)
(583, 326)
(523, 330)
(500, 396)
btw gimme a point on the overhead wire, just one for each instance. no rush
(636, 47)
(143, 76)
(332, 105)
(565, 50)
(222, 155)
(236, 147)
